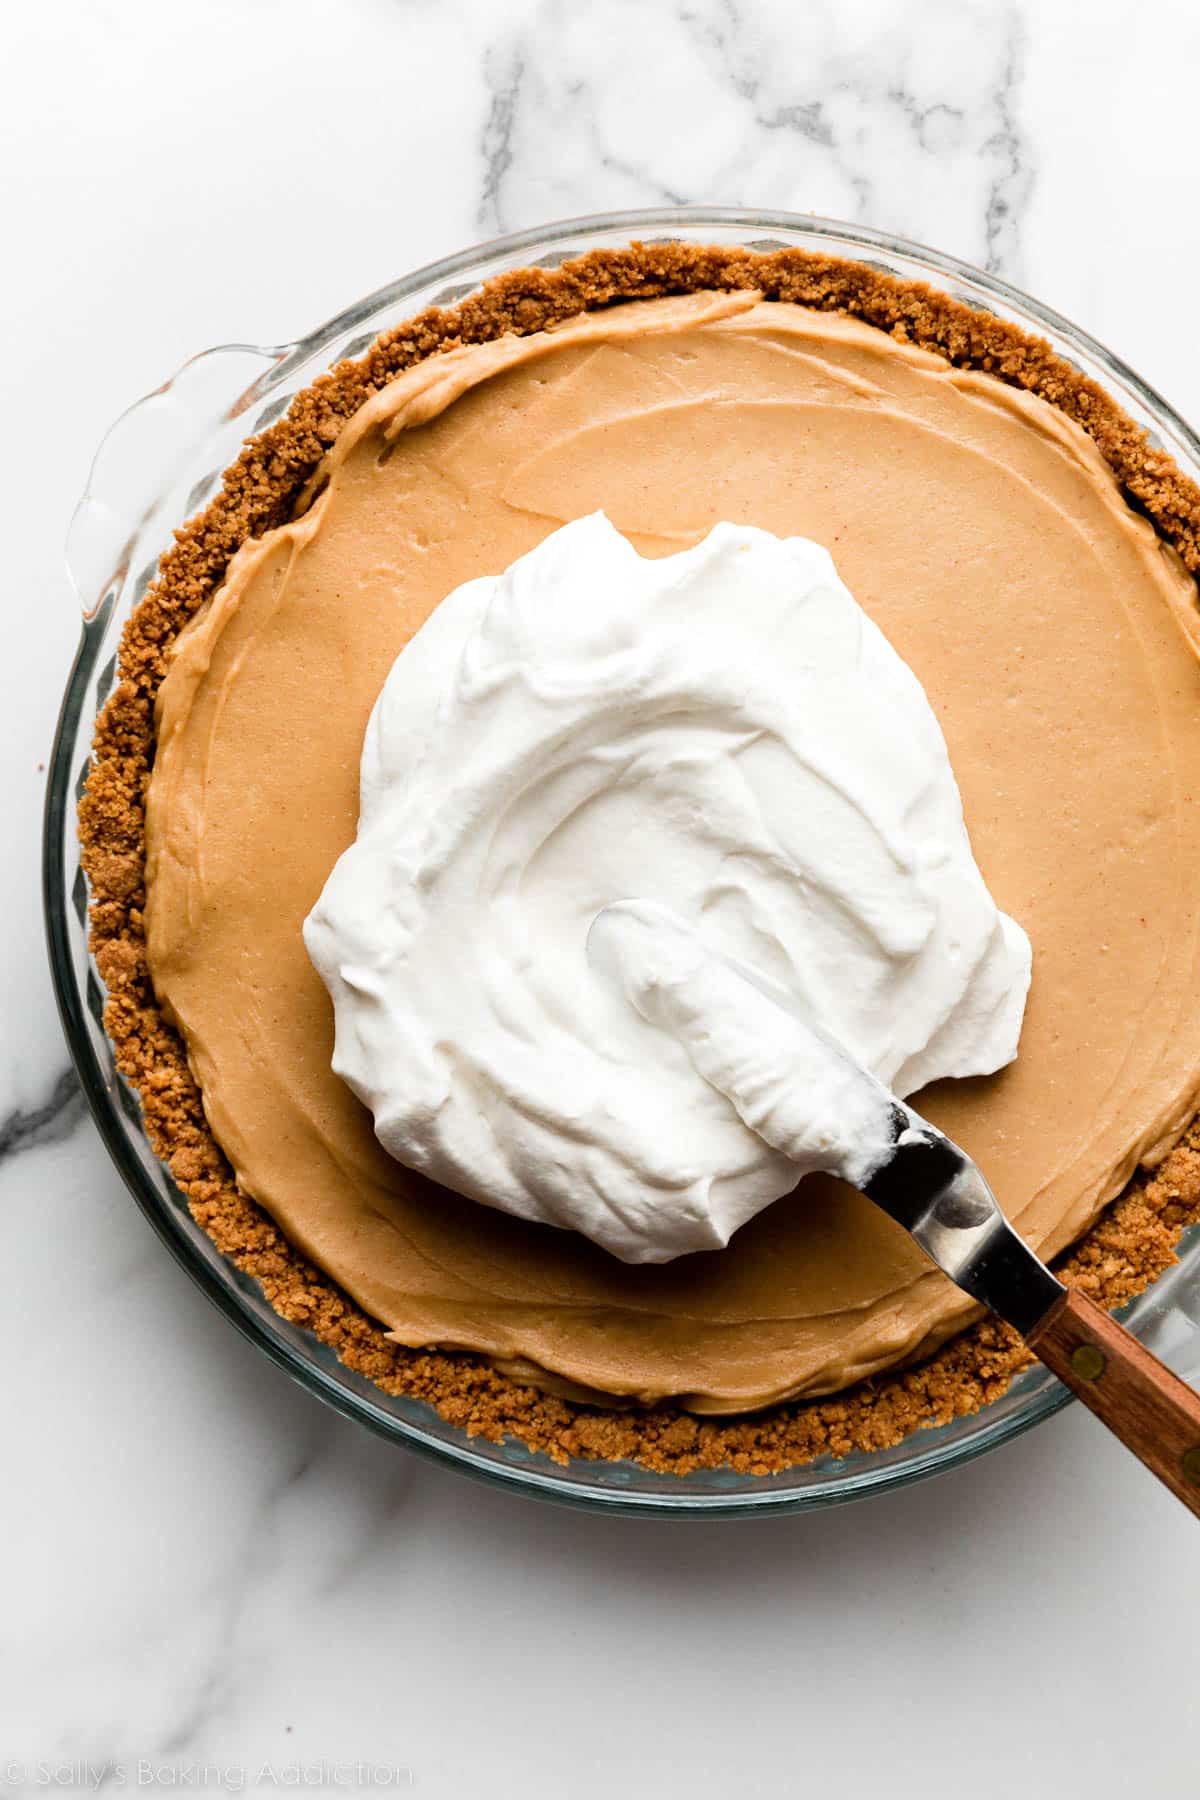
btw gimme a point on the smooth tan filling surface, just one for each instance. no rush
(1051, 630)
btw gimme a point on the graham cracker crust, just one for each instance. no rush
(1131, 1244)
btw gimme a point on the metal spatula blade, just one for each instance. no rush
(937, 1193)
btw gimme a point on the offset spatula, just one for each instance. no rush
(801, 1091)
(936, 1192)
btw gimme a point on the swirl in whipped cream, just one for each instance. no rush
(787, 1080)
(722, 731)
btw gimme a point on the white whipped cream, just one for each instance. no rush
(724, 732)
(787, 1080)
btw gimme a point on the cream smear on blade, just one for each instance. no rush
(723, 733)
(788, 1081)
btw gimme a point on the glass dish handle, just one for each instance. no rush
(148, 446)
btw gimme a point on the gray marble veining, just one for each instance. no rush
(798, 105)
(26, 1127)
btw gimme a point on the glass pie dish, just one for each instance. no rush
(161, 462)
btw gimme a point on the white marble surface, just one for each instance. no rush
(203, 1572)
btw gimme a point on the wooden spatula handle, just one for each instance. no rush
(1154, 1414)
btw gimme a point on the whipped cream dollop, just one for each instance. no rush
(723, 732)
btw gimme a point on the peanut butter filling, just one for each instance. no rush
(1052, 630)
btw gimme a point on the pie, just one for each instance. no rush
(1029, 554)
